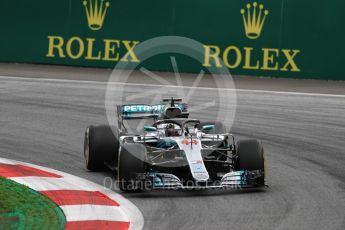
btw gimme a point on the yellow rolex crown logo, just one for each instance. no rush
(254, 19)
(95, 12)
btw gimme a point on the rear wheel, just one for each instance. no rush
(100, 145)
(251, 157)
(131, 163)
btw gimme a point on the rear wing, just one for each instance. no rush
(142, 111)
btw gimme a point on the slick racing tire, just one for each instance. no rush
(100, 145)
(251, 157)
(131, 163)
(219, 127)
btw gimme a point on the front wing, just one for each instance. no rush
(231, 180)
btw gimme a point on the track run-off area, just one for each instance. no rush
(43, 122)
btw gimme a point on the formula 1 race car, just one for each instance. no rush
(173, 151)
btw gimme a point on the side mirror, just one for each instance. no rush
(149, 128)
(207, 127)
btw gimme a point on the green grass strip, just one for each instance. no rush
(23, 208)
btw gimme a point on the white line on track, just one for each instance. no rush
(174, 86)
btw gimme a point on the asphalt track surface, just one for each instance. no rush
(43, 122)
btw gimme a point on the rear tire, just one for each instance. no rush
(100, 145)
(131, 162)
(251, 157)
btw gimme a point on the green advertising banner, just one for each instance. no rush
(280, 38)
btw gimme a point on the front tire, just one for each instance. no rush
(251, 157)
(131, 162)
(100, 145)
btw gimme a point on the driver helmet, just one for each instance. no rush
(170, 130)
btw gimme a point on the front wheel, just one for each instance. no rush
(251, 158)
(100, 145)
(131, 163)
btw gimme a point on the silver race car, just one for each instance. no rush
(173, 151)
